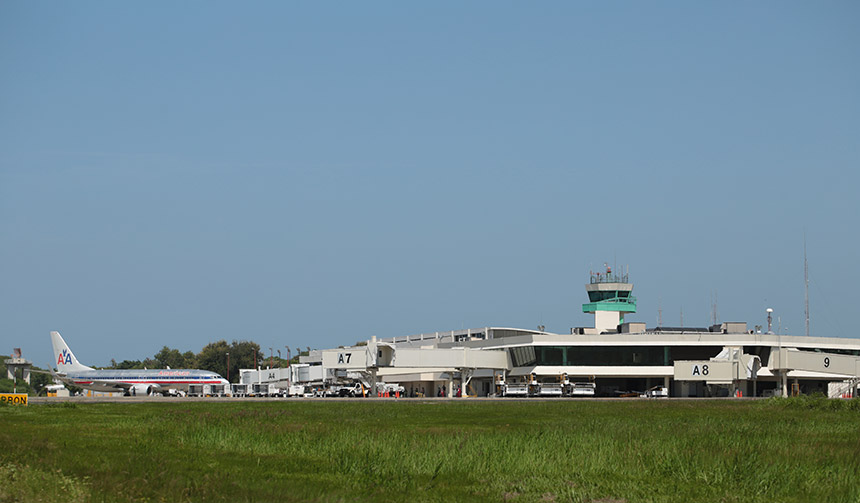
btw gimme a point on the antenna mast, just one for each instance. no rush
(714, 307)
(806, 284)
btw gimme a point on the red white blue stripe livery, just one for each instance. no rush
(132, 381)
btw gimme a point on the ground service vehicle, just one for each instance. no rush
(582, 389)
(353, 390)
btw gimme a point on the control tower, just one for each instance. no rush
(609, 296)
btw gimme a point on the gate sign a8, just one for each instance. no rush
(704, 370)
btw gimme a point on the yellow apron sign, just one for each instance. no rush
(13, 398)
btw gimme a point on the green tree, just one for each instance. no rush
(5, 384)
(172, 358)
(190, 360)
(213, 357)
(39, 380)
(129, 364)
(242, 353)
(168, 357)
(295, 359)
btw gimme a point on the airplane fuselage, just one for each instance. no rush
(131, 381)
(118, 380)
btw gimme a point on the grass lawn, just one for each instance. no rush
(461, 450)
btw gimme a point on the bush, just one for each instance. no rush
(23, 483)
(815, 401)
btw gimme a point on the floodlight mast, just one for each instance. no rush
(783, 373)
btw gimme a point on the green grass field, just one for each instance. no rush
(462, 450)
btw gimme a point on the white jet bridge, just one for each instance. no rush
(785, 360)
(381, 359)
(732, 366)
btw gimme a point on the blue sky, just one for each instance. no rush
(314, 174)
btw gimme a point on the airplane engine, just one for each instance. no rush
(144, 389)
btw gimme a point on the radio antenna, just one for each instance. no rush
(806, 284)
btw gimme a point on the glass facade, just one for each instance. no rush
(609, 355)
(601, 295)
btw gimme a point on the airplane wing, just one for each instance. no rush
(36, 371)
(50, 371)
(117, 385)
(96, 382)
(60, 376)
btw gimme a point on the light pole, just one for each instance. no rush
(228, 366)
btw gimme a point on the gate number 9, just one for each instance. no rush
(826, 361)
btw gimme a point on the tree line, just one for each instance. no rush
(213, 356)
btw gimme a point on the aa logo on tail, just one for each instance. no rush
(65, 358)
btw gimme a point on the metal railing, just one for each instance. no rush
(607, 277)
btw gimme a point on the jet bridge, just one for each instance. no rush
(785, 360)
(731, 366)
(827, 363)
(384, 359)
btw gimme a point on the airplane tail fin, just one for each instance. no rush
(63, 356)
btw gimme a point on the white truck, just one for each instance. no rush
(582, 389)
(519, 389)
(353, 390)
(300, 390)
(550, 389)
(260, 389)
(656, 392)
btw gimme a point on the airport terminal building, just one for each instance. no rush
(615, 357)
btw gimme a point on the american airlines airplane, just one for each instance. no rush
(131, 381)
